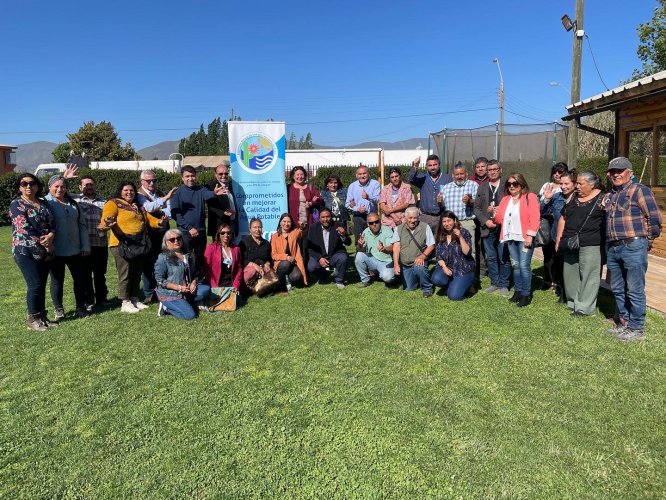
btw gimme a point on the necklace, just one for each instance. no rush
(34, 203)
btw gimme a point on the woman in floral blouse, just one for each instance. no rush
(33, 231)
(455, 263)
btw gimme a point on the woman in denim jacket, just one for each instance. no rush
(178, 287)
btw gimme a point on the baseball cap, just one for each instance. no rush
(619, 163)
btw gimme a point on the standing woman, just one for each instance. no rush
(519, 215)
(455, 263)
(334, 196)
(582, 216)
(178, 289)
(124, 218)
(302, 198)
(286, 252)
(33, 232)
(71, 243)
(223, 264)
(553, 204)
(394, 199)
(547, 191)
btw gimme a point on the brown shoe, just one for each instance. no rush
(35, 323)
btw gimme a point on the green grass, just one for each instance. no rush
(352, 393)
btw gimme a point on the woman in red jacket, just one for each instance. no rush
(519, 215)
(302, 198)
(223, 265)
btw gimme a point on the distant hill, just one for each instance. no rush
(404, 144)
(29, 155)
(161, 150)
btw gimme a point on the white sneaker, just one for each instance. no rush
(138, 304)
(161, 311)
(128, 307)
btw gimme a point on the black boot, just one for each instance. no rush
(525, 300)
(515, 297)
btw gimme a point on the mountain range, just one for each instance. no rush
(31, 154)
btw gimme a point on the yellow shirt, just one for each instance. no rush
(129, 218)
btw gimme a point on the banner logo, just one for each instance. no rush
(256, 153)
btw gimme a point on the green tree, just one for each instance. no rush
(99, 142)
(308, 142)
(652, 43)
(292, 143)
(212, 141)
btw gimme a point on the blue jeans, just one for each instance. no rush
(458, 285)
(415, 276)
(627, 265)
(35, 273)
(521, 259)
(337, 260)
(365, 263)
(182, 309)
(498, 260)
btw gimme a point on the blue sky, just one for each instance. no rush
(346, 71)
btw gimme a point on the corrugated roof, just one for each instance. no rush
(649, 83)
(7, 146)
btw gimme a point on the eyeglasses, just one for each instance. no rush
(373, 222)
(222, 233)
(174, 240)
(150, 181)
(493, 170)
(222, 173)
(513, 184)
(25, 184)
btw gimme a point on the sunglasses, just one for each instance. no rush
(150, 181)
(373, 222)
(25, 184)
(221, 173)
(513, 184)
(174, 240)
(221, 233)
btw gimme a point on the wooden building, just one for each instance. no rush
(7, 158)
(639, 106)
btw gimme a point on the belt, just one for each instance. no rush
(625, 241)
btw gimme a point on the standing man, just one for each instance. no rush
(156, 205)
(413, 243)
(633, 222)
(487, 199)
(95, 264)
(459, 197)
(375, 253)
(188, 208)
(326, 248)
(221, 209)
(430, 185)
(362, 198)
(480, 170)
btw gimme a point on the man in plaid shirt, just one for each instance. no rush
(633, 221)
(91, 207)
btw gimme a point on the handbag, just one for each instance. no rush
(132, 246)
(222, 299)
(572, 243)
(264, 284)
(543, 236)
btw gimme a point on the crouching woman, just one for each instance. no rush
(178, 287)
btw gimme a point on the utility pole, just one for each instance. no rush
(501, 104)
(572, 150)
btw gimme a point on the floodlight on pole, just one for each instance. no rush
(568, 24)
(501, 104)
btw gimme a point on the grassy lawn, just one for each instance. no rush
(327, 392)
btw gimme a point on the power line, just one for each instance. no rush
(441, 113)
(589, 46)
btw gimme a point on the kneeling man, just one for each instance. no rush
(413, 243)
(375, 252)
